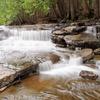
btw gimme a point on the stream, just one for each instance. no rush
(56, 81)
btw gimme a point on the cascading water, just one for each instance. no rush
(35, 41)
(36, 35)
(91, 30)
(73, 66)
(27, 42)
(65, 68)
(24, 41)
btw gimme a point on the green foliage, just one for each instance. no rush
(9, 9)
(31, 6)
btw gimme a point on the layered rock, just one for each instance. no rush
(9, 73)
(75, 36)
(82, 40)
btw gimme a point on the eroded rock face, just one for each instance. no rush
(88, 75)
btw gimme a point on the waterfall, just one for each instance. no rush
(24, 41)
(66, 68)
(46, 66)
(91, 30)
(36, 35)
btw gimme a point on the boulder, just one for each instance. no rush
(54, 58)
(88, 75)
(86, 54)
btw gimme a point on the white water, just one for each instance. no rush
(91, 30)
(41, 35)
(66, 68)
(26, 41)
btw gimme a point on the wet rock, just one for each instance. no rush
(76, 36)
(91, 66)
(58, 39)
(78, 24)
(69, 29)
(98, 28)
(81, 24)
(97, 51)
(6, 76)
(83, 40)
(9, 73)
(88, 75)
(86, 54)
(26, 69)
(79, 29)
(4, 34)
(54, 58)
(61, 45)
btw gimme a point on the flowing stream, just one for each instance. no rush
(58, 81)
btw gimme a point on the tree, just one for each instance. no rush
(8, 10)
(97, 8)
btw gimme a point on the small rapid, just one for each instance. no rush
(38, 41)
(56, 81)
(25, 42)
(65, 68)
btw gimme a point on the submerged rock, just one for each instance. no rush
(88, 75)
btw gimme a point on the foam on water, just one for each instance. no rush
(91, 30)
(39, 41)
(67, 68)
(25, 40)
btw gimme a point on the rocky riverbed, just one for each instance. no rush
(74, 54)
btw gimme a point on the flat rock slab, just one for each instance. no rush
(10, 73)
(82, 40)
(6, 75)
(86, 54)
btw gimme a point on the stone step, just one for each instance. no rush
(10, 73)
